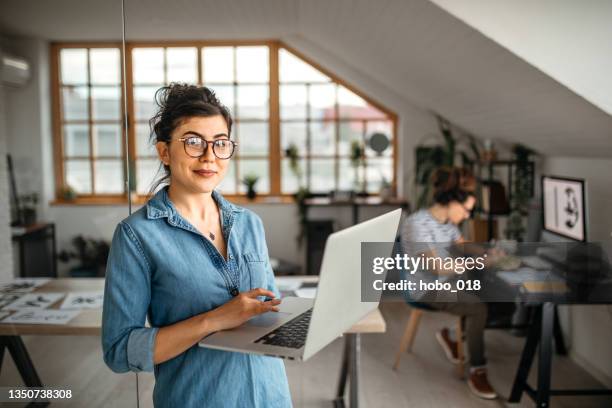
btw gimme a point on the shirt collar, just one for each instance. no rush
(160, 206)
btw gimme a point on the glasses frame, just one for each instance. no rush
(184, 139)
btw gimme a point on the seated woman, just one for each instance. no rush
(194, 264)
(454, 199)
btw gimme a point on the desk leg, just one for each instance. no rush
(354, 374)
(24, 364)
(349, 371)
(339, 401)
(559, 341)
(533, 337)
(545, 355)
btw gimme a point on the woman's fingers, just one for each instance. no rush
(260, 292)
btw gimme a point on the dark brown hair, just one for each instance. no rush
(452, 184)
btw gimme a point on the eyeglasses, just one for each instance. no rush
(196, 147)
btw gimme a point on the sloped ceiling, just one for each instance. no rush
(421, 52)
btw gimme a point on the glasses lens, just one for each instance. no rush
(194, 146)
(223, 148)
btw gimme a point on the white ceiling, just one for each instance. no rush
(412, 47)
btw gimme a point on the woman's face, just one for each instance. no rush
(197, 175)
(458, 212)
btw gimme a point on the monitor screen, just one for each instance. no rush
(563, 205)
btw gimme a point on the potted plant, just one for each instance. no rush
(357, 161)
(521, 192)
(292, 153)
(91, 254)
(68, 193)
(250, 180)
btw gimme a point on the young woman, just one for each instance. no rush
(454, 199)
(193, 263)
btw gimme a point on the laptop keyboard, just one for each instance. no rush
(291, 334)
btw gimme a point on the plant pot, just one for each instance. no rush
(251, 194)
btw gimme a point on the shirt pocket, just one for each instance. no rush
(254, 266)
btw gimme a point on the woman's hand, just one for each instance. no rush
(240, 309)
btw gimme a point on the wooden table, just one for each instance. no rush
(89, 323)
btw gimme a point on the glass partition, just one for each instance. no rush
(63, 191)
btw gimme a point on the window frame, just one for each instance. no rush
(275, 155)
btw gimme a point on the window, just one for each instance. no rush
(88, 99)
(277, 99)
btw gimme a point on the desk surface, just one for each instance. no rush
(89, 322)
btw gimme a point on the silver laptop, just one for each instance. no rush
(303, 326)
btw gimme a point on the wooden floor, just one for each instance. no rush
(424, 379)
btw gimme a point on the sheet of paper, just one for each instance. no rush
(34, 301)
(521, 275)
(83, 300)
(8, 298)
(306, 293)
(42, 317)
(23, 285)
(287, 285)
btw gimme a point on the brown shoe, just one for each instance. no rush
(449, 346)
(479, 384)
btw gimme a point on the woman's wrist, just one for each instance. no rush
(207, 324)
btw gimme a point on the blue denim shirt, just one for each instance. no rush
(162, 268)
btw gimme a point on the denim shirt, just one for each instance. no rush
(162, 268)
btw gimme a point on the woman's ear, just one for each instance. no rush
(163, 151)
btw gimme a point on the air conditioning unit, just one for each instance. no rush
(14, 71)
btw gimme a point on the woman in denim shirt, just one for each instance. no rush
(193, 263)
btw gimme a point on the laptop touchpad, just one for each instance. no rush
(268, 319)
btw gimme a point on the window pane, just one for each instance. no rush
(73, 64)
(253, 102)
(351, 105)
(293, 101)
(218, 64)
(293, 69)
(144, 145)
(107, 140)
(349, 131)
(225, 93)
(228, 184)
(252, 64)
(349, 178)
(78, 175)
(290, 180)
(106, 103)
(255, 167)
(322, 140)
(377, 170)
(144, 102)
(104, 64)
(294, 133)
(322, 100)
(252, 138)
(182, 64)
(109, 176)
(148, 65)
(74, 102)
(76, 140)
(384, 127)
(147, 172)
(322, 175)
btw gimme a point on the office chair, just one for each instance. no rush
(411, 329)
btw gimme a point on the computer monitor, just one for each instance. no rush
(564, 207)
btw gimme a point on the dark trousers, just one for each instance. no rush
(475, 313)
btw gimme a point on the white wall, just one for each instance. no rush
(591, 326)
(566, 39)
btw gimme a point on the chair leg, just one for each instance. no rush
(460, 349)
(408, 336)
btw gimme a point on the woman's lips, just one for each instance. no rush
(205, 173)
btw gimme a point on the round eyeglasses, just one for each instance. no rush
(196, 147)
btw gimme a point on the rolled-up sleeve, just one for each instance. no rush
(127, 344)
